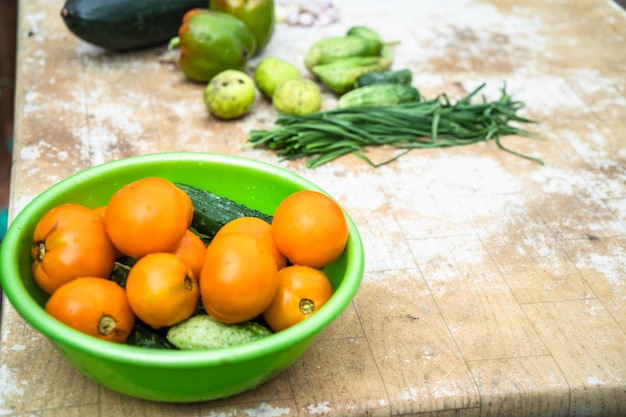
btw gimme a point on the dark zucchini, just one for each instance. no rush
(403, 76)
(126, 24)
(212, 211)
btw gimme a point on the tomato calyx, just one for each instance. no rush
(189, 283)
(307, 306)
(106, 325)
(41, 250)
(41, 244)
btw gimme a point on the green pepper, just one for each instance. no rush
(211, 42)
(258, 15)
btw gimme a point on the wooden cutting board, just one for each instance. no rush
(493, 285)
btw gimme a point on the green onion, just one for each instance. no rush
(327, 135)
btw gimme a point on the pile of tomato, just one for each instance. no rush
(249, 269)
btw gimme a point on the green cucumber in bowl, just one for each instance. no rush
(212, 211)
(144, 336)
(204, 332)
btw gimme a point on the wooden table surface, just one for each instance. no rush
(493, 286)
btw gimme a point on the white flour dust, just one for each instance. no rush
(319, 408)
(266, 410)
(10, 387)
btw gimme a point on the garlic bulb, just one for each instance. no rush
(306, 12)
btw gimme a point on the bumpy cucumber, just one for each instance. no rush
(340, 75)
(333, 48)
(364, 32)
(212, 211)
(368, 33)
(379, 95)
(403, 76)
(204, 332)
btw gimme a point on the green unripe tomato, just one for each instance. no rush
(297, 96)
(270, 72)
(229, 95)
(211, 42)
(257, 15)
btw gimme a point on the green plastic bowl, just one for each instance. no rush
(163, 375)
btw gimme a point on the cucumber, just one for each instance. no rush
(339, 76)
(333, 48)
(204, 332)
(365, 33)
(120, 272)
(368, 33)
(212, 211)
(379, 95)
(126, 24)
(403, 76)
(146, 337)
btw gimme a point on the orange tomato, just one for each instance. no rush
(162, 290)
(238, 279)
(70, 241)
(191, 250)
(149, 215)
(95, 306)
(258, 228)
(102, 211)
(310, 229)
(301, 292)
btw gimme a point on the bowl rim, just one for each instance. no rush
(24, 303)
